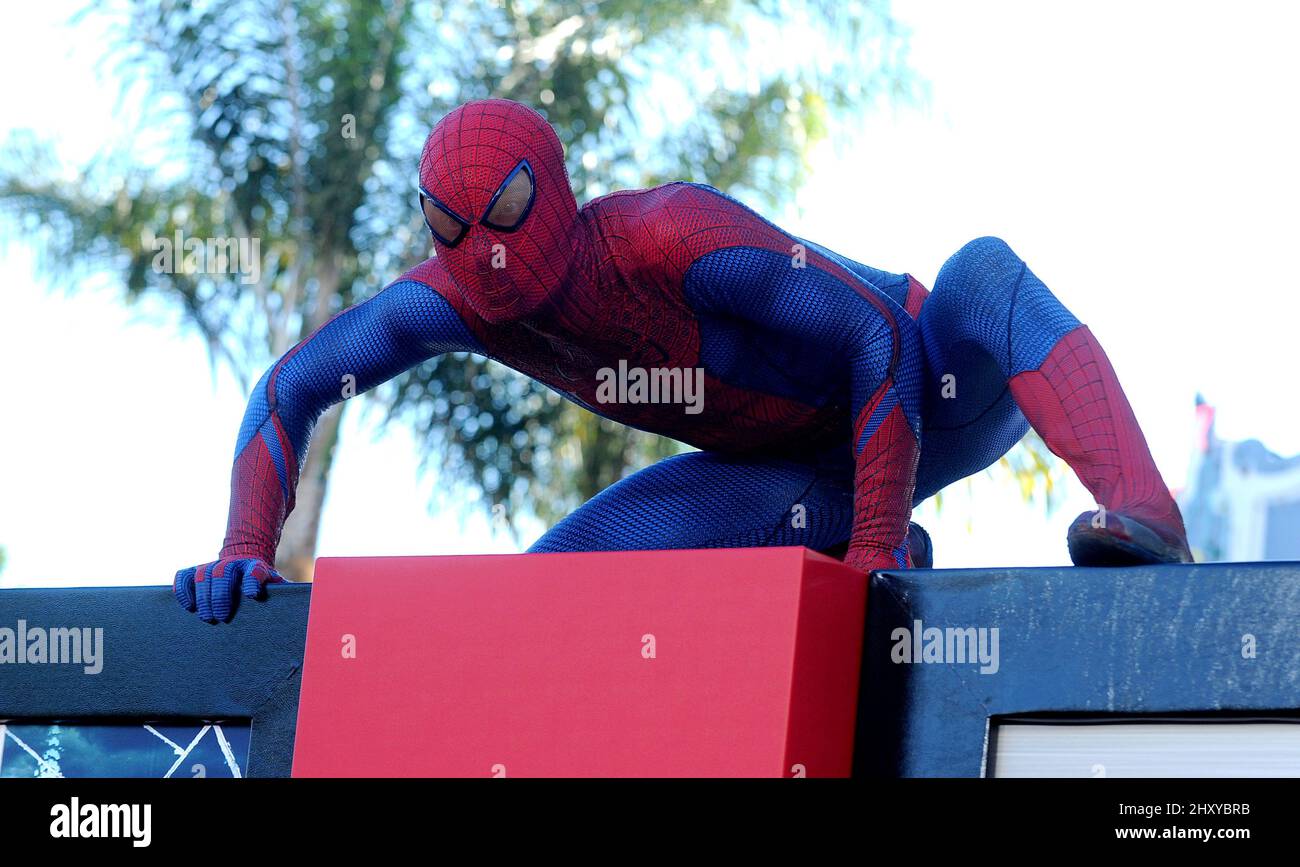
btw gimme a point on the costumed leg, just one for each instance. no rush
(1003, 337)
(969, 416)
(709, 500)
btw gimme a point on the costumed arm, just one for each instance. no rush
(365, 345)
(773, 280)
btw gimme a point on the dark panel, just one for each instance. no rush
(161, 662)
(1141, 640)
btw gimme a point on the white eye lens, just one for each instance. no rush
(510, 205)
(444, 226)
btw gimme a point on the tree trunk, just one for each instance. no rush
(295, 559)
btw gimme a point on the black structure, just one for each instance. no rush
(1144, 641)
(162, 663)
(1207, 640)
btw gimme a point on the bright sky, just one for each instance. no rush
(1141, 158)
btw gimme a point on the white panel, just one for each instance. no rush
(1148, 749)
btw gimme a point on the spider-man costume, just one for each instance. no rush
(835, 395)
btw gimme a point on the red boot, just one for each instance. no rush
(1075, 402)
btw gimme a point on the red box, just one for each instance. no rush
(717, 663)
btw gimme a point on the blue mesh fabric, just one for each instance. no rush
(706, 500)
(800, 333)
(372, 342)
(256, 414)
(988, 319)
(820, 339)
(986, 295)
(894, 286)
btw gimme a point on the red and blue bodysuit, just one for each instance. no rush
(834, 395)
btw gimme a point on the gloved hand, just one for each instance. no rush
(212, 589)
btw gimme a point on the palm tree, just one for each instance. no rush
(298, 124)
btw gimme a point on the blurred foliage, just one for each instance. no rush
(1040, 476)
(254, 100)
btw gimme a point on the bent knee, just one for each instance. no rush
(987, 295)
(982, 265)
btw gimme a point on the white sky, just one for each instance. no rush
(1140, 156)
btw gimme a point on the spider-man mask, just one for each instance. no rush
(496, 197)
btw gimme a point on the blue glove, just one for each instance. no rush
(213, 588)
